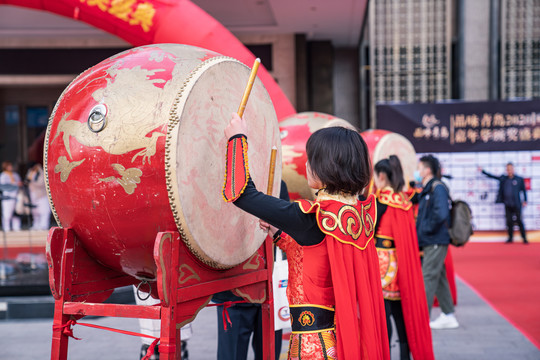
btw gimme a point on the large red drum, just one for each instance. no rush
(383, 143)
(135, 145)
(295, 132)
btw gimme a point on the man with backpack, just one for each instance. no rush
(433, 238)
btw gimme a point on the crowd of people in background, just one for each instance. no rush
(24, 199)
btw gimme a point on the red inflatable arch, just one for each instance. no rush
(142, 22)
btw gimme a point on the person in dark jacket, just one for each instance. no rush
(511, 187)
(433, 238)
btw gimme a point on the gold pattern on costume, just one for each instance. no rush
(353, 220)
(388, 197)
(341, 197)
(388, 269)
(348, 220)
(64, 167)
(186, 273)
(369, 224)
(306, 318)
(330, 221)
(129, 180)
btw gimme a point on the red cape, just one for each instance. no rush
(410, 279)
(448, 262)
(360, 318)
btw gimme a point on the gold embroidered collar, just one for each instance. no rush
(345, 198)
(388, 197)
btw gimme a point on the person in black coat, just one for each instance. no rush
(511, 187)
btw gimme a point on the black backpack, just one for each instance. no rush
(460, 229)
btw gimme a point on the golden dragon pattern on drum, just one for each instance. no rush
(134, 122)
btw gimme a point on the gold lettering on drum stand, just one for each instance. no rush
(129, 180)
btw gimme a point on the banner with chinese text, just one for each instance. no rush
(465, 126)
(468, 136)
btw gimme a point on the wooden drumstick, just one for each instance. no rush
(271, 171)
(249, 85)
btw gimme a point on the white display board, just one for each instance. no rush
(480, 192)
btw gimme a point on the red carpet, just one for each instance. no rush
(507, 276)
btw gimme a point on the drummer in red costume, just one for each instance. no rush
(399, 259)
(334, 291)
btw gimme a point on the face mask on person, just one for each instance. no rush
(417, 176)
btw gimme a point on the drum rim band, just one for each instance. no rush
(170, 159)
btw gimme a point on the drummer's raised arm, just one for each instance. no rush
(282, 214)
(240, 189)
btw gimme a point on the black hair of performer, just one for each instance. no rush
(391, 167)
(339, 158)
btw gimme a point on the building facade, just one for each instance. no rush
(412, 51)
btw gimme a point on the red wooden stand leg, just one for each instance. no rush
(268, 306)
(61, 241)
(60, 341)
(170, 347)
(80, 285)
(168, 243)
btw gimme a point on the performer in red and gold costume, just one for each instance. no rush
(399, 259)
(334, 289)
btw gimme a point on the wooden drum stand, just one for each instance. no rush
(80, 285)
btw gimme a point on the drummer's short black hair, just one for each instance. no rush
(339, 157)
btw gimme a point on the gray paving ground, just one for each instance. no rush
(483, 334)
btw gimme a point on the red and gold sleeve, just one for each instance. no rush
(283, 241)
(236, 169)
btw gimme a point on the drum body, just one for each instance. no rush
(295, 132)
(383, 143)
(135, 145)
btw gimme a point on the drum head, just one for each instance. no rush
(218, 233)
(295, 132)
(396, 144)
